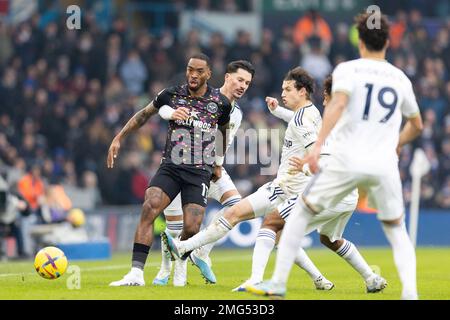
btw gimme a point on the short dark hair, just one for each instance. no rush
(233, 66)
(202, 56)
(375, 39)
(302, 79)
(327, 83)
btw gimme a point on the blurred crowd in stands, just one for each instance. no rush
(64, 95)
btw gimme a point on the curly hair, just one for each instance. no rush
(327, 84)
(374, 38)
(302, 79)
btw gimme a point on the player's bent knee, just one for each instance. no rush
(329, 244)
(153, 199)
(393, 223)
(148, 212)
(325, 241)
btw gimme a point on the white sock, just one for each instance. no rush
(211, 234)
(404, 257)
(349, 252)
(304, 262)
(265, 241)
(231, 201)
(174, 228)
(291, 238)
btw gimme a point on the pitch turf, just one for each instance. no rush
(18, 280)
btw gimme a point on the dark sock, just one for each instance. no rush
(186, 255)
(140, 253)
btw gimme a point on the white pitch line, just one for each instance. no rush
(124, 266)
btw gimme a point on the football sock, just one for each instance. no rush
(291, 238)
(140, 253)
(265, 241)
(350, 253)
(231, 201)
(174, 228)
(304, 262)
(211, 234)
(404, 257)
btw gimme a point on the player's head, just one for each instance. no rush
(198, 71)
(298, 87)
(327, 90)
(238, 77)
(373, 37)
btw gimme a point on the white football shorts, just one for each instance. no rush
(328, 187)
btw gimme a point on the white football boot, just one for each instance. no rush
(323, 283)
(180, 273)
(162, 278)
(202, 261)
(133, 278)
(375, 284)
(244, 285)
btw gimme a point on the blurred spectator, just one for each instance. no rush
(341, 49)
(316, 62)
(6, 47)
(134, 73)
(203, 5)
(65, 94)
(31, 187)
(229, 6)
(398, 28)
(57, 203)
(312, 25)
(242, 48)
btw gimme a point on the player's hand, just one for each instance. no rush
(296, 165)
(272, 103)
(217, 173)
(312, 158)
(181, 114)
(113, 152)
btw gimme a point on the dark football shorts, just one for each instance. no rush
(193, 183)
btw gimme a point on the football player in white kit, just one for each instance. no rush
(330, 232)
(238, 77)
(301, 133)
(369, 98)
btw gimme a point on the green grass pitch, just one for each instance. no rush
(18, 280)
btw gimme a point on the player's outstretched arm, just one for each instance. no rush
(277, 111)
(132, 125)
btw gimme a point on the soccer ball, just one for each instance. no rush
(50, 263)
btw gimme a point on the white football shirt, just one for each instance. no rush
(301, 132)
(235, 122)
(366, 135)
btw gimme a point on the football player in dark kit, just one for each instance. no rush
(188, 162)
